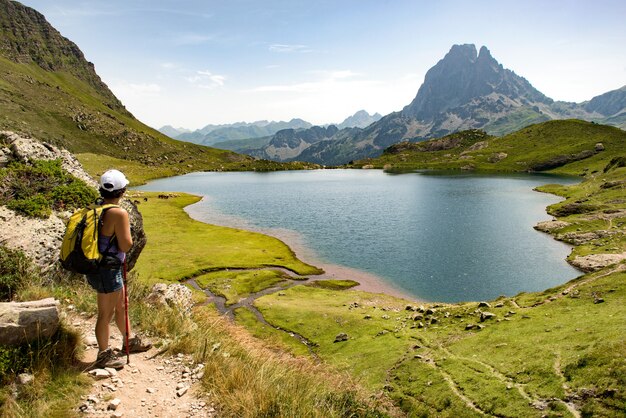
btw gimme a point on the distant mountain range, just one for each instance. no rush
(220, 135)
(467, 89)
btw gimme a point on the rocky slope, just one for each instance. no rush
(40, 239)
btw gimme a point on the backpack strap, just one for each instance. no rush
(105, 207)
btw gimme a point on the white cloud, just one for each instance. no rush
(206, 79)
(286, 48)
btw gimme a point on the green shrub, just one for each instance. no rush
(15, 269)
(35, 189)
(35, 207)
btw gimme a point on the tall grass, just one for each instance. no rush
(246, 377)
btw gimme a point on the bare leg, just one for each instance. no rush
(120, 318)
(106, 309)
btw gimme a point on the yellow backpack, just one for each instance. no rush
(79, 250)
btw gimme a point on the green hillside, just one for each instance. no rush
(49, 91)
(563, 146)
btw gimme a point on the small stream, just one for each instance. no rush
(229, 310)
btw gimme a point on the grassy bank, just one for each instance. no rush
(562, 146)
(180, 247)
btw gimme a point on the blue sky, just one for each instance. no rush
(189, 63)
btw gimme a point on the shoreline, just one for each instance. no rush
(368, 282)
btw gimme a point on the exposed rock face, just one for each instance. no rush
(461, 77)
(40, 239)
(25, 150)
(173, 295)
(22, 322)
(612, 103)
(596, 262)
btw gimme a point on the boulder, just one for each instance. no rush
(486, 315)
(173, 295)
(596, 262)
(599, 147)
(23, 322)
(497, 157)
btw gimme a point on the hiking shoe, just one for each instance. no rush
(107, 358)
(136, 345)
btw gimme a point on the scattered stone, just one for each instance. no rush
(501, 345)
(173, 295)
(420, 325)
(150, 390)
(91, 341)
(430, 311)
(180, 392)
(113, 404)
(111, 371)
(598, 300)
(565, 292)
(409, 308)
(433, 320)
(484, 305)
(385, 316)
(486, 315)
(25, 378)
(341, 337)
(599, 147)
(417, 316)
(499, 305)
(99, 374)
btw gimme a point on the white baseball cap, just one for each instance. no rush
(113, 180)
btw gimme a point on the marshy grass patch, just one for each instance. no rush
(334, 284)
(236, 285)
(179, 247)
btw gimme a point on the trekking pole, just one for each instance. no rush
(126, 314)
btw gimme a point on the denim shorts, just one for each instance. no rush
(106, 281)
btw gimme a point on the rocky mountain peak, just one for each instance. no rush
(463, 76)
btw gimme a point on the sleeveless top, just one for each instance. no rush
(103, 243)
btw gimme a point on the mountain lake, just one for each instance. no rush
(444, 237)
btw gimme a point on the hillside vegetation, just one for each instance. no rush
(567, 147)
(49, 91)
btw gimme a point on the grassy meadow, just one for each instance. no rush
(559, 146)
(559, 352)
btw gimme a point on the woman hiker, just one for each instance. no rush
(115, 238)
